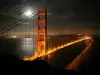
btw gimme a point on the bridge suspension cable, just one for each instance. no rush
(16, 24)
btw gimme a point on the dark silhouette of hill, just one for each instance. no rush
(14, 65)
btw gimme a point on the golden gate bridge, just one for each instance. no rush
(41, 34)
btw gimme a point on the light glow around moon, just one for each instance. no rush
(28, 13)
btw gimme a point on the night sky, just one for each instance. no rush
(67, 16)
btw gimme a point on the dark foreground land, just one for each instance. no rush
(12, 65)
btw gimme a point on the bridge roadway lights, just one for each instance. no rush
(45, 55)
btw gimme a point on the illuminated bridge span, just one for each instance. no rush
(41, 34)
(55, 49)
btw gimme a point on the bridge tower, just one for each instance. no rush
(42, 31)
(87, 40)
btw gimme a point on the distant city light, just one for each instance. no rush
(79, 34)
(14, 36)
(87, 37)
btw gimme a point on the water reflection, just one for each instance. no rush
(27, 46)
